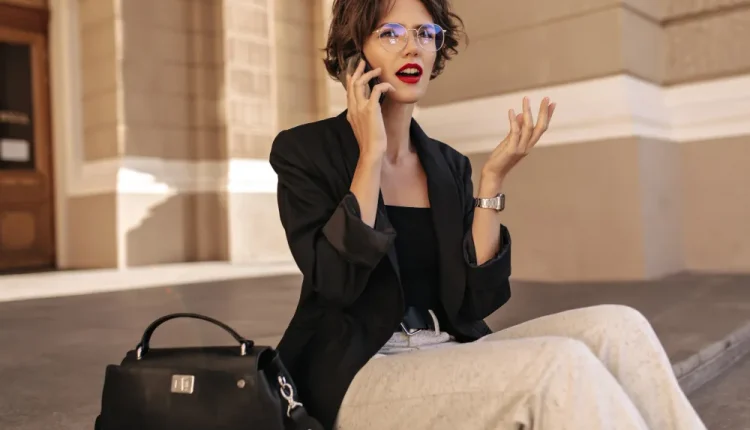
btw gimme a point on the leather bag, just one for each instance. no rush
(201, 388)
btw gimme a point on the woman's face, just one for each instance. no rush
(406, 57)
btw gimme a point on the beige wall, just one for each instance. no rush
(690, 9)
(169, 67)
(595, 210)
(667, 42)
(629, 207)
(93, 231)
(524, 48)
(297, 58)
(704, 45)
(250, 29)
(716, 208)
(99, 78)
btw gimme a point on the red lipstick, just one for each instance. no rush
(410, 73)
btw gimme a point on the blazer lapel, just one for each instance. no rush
(447, 214)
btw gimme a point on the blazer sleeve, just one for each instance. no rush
(330, 243)
(488, 284)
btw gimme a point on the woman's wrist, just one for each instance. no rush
(371, 157)
(490, 185)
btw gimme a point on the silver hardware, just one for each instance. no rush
(183, 384)
(435, 321)
(409, 332)
(241, 383)
(287, 392)
(243, 348)
(497, 203)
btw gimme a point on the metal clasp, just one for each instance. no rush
(183, 384)
(287, 392)
(408, 331)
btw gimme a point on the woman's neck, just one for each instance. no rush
(397, 120)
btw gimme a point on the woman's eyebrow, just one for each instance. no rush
(404, 25)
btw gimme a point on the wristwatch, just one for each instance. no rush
(497, 203)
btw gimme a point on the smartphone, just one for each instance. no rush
(352, 63)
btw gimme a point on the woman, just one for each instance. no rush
(402, 261)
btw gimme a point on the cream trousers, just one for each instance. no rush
(594, 368)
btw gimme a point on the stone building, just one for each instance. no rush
(136, 132)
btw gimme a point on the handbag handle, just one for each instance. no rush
(143, 346)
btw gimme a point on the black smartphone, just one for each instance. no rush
(352, 63)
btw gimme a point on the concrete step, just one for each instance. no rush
(724, 403)
(55, 349)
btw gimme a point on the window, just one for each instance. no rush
(16, 107)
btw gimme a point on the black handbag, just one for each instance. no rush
(201, 388)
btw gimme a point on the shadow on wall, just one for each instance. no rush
(174, 228)
(169, 227)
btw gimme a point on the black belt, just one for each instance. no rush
(414, 321)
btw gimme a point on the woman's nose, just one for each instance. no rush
(411, 47)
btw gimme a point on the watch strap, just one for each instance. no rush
(497, 203)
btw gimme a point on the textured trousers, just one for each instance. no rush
(601, 367)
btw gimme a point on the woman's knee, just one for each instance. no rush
(568, 349)
(618, 318)
(568, 357)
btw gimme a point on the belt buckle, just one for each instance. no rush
(407, 331)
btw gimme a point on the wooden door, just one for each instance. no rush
(26, 191)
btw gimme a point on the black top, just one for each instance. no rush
(418, 259)
(351, 298)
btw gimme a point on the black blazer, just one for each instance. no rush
(351, 300)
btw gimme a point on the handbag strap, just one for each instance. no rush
(143, 346)
(298, 418)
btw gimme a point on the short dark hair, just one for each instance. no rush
(352, 21)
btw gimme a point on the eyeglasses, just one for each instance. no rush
(395, 37)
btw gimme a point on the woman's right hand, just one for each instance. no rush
(364, 113)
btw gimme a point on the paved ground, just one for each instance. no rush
(724, 403)
(54, 350)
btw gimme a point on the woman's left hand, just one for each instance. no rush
(523, 135)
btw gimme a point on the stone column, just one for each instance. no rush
(145, 164)
(181, 100)
(250, 105)
(331, 94)
(84, 96)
